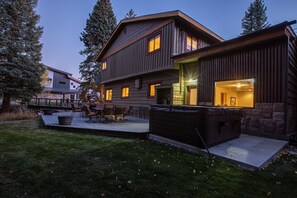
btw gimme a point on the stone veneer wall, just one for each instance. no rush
(266, 119)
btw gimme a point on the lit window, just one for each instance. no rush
(152, 90)
(108, 95)
(235, 93)
(104, 65)
(154, 43)
(125, 92)
(192, 43)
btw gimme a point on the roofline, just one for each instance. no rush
(57, 70)
(74, 79)
(242, 41)
(169, 14)
(69, 75)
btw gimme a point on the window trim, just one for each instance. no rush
(152, 36)
(105, 98)
(191, 35)
(149, 86)
(126, 86)
(103, 69)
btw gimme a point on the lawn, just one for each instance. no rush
(38, 162)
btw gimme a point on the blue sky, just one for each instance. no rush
(64, 20)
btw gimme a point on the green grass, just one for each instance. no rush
(37, 162)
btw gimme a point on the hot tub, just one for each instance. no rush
(215, 124)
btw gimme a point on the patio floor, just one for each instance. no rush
(248, 151)
(132, 127)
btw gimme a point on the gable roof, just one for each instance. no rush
(68, 75)
(276, 31)
(177, 14)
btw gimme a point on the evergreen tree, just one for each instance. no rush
(20, 51)
(130, 14)
(255, 18)
(99, 27)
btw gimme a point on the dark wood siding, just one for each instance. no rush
(133, 30)
(135, 59)
(59, 80)
(292, 73)
(180, 33)
(266, 63)
(139, 97)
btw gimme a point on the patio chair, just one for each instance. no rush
(119, 113)
(127, 111)
(90, 113)
(75, 109)
(108, 113)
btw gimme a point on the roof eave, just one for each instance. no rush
(229, 45)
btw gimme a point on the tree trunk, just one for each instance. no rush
(5, 103)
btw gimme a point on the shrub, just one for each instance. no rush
(17, 116)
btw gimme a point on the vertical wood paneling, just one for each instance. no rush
(266, 63)
(132, 30)
(180, 39)
(292, 72)
(58, 77)
(135, 58)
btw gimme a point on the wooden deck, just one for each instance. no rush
(132, 127)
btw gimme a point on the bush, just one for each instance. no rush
(18, 112)
(17, 116)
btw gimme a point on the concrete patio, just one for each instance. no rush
(248, 151)
(132, 127)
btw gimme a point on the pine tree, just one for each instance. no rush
(99, 27)
(20, 51)
(255, 18)
(130, 14)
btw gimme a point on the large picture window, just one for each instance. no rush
(152, 89)
(235, 93)
(108, 95)
(154, 43)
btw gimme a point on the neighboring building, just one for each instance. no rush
(169, 58)
(60, 85)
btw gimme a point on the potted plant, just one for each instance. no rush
(65, 120)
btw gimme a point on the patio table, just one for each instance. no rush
(99, 111)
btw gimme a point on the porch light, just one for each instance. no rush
(192, 80)
(238, 85)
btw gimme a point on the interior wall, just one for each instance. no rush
(230, 93)
(243, 98)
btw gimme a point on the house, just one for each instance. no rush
(169, 58)
(60, 85)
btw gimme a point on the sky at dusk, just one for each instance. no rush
(64, 20)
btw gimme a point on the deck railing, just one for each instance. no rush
(49, 102)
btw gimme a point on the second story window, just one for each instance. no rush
(108, 95)
(154, 43)
(152, 89)
(104, 65)
(192, 43)
(125, 92)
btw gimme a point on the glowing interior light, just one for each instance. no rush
(238, 85)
